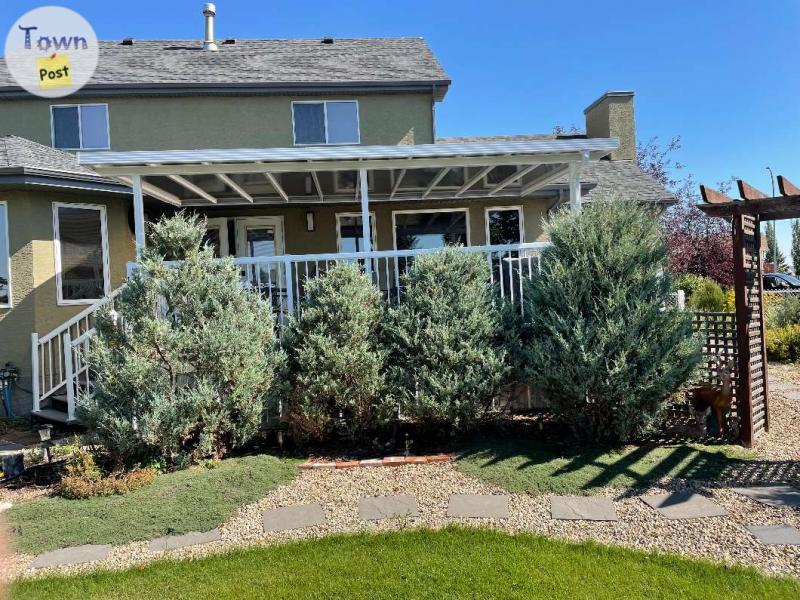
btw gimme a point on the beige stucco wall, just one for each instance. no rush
(158, 123)
(34, 306)
(613, 116)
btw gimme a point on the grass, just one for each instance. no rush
(195, 499)
(452, 563)
(530, 465)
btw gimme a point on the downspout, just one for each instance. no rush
(433, 111)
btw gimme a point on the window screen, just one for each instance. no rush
(5, 262)
(80, 240)
(504, 226)
(342, 122)
(309, 123)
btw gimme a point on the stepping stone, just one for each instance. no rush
(293, 517)
(772, 495)
(475, 506)
(774, 535)
(4, 506)
(793, 395)
(783, 387)
(387, 507)
(75, 555)
(583, 508)
(684, 505)
(171, 542)
(6, 446)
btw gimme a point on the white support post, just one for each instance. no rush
(138, 213)
(35, 370)
(575, 170)
(69, 375)
(365, 226)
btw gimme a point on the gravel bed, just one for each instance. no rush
(720, 538)
(782, 442)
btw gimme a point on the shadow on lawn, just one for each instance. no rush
(537, 461)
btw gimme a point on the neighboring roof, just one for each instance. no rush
(24, 161)
(267, 65)
(606, 177)
(497, 138)
(623, 179)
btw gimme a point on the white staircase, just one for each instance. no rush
(60, 371)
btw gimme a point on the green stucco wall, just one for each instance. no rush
(34, 307)
(158, 123)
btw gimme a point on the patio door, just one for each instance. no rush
(262, 237)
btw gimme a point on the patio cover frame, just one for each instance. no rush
(554, 157)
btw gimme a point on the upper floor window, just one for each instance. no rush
(80, 126)
(326, 122)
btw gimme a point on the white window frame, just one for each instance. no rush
(355, 214)
(221, 224)
(7, 250)
(487, 184)
(57, 252)
(80, 126)
(426, 211)
(325, 122)
(516, 207)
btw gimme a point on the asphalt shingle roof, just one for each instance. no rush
(293, 61)
(621, 178)
(21, 153)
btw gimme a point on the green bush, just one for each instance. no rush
(84, 479)
(783, 343)
(708, 297)
(782, 310)
(446, 359)
(183, 372)
(336, 365)
(602, 347)
(689, 283)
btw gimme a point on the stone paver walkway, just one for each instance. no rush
(775, 535)
(387, 507)
(583, 508)
(772, 495)
(293, 517)
(474, 506)
(676, 505)
(75, 555)
(172, 542)
(684, 505)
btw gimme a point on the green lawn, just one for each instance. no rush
(525, 465)
(196, 499)
(453, 563)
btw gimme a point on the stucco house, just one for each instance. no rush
(290, 148)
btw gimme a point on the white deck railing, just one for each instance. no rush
(59, 357)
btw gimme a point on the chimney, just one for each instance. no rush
(209, 12)
(611, 115)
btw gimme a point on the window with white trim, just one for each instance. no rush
(350, 232)
(430, 228)
(504, 225)
(325, 122)
(80, 126)
(81, 253)
(5, 259)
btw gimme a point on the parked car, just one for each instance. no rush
(780, 282)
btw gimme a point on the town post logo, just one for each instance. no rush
(51, 51)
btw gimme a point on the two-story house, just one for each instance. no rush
(287, 147)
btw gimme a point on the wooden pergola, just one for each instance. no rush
(746, 215)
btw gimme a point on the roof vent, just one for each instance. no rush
(127, 42)
(209, 12)
(327, 40)
(229, 41)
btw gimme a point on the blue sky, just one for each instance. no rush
(722, 75)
